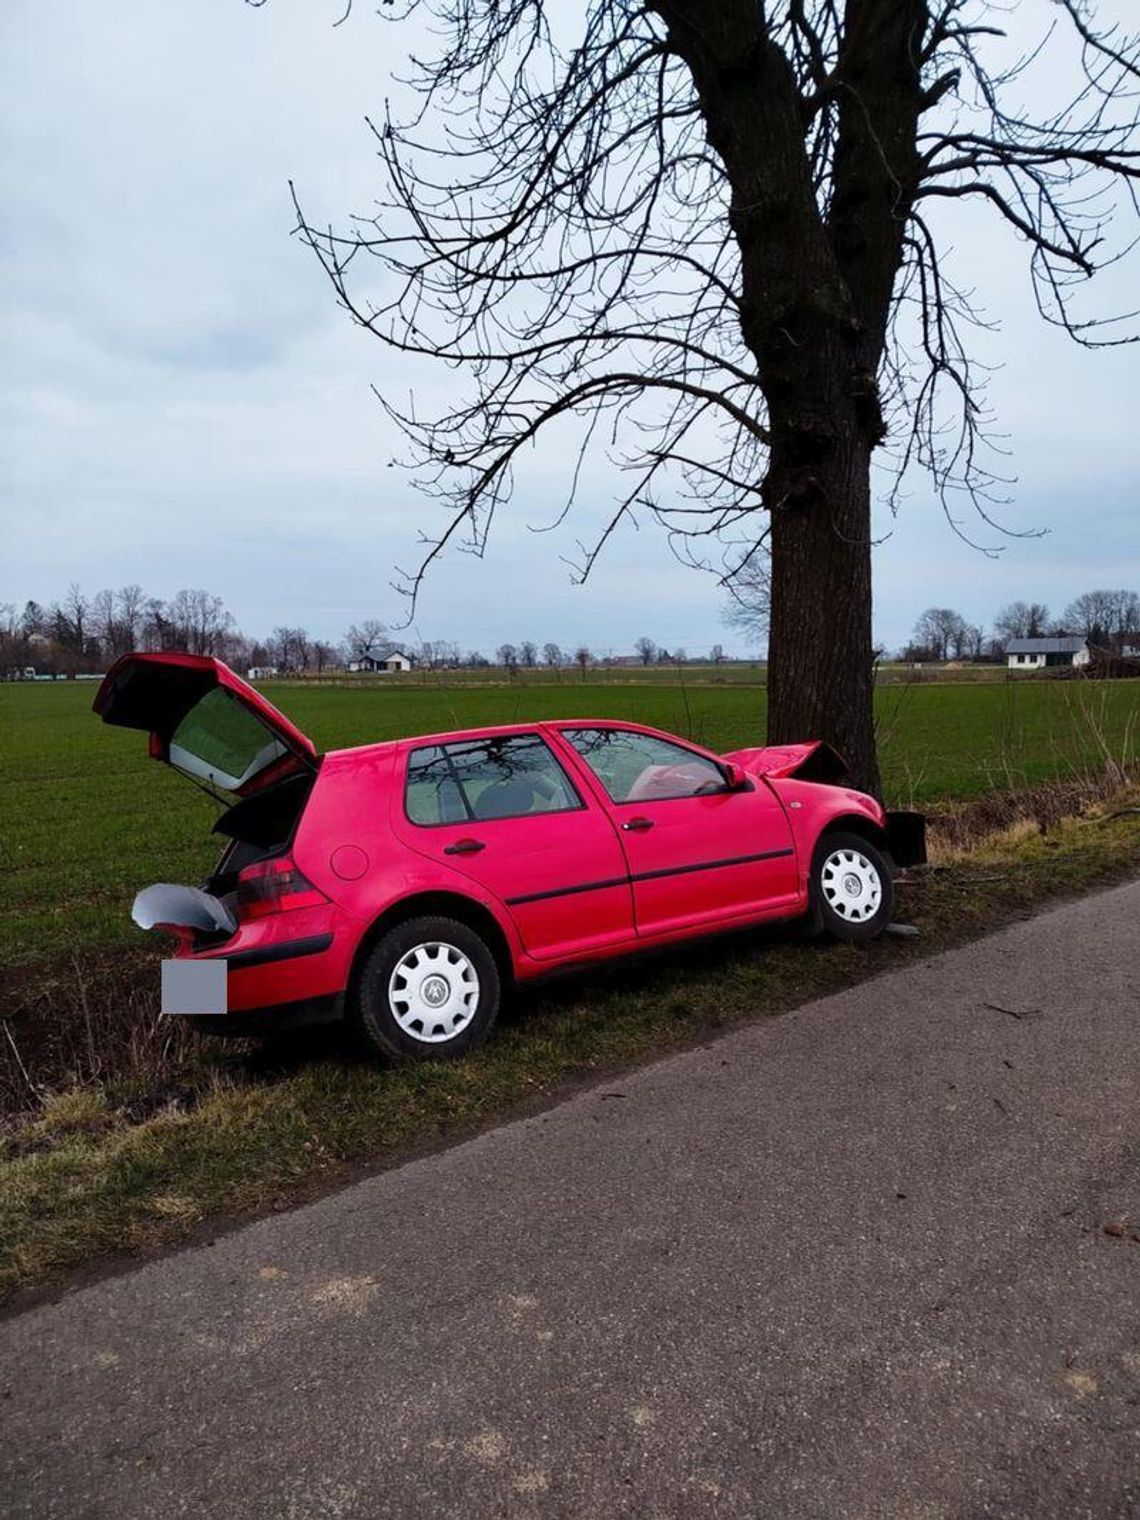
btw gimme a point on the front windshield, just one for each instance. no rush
(221, 741)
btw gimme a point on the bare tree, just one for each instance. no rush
(129, 603)
(280, 646)
(552, 654)
(582, 658)
(508, 657)
(707, 230)
(750, 599)
(73, 612)
(1102, 615)
(646, 649)
(200, 621)
(528, 654)
(716, 654)
(103, 623)
(942, 631)
(369, 638)
(1021, 620)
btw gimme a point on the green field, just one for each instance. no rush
(86, 818)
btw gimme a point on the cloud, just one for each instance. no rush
(184, 404)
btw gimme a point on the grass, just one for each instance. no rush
(129, 1131)
(88, 819)
(89, 1174)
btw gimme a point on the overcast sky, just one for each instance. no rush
(184, 406)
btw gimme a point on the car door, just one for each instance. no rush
(503, 810)
(698, 852)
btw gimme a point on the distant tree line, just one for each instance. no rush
(83, 635)
(1100, 617)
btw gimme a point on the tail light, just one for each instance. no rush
(275, 886)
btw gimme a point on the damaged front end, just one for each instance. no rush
(818, 762)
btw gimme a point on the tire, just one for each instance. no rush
(852, 893)
(429, 989)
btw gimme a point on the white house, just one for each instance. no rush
(260, 672)
(1037, 654)
(389, 664)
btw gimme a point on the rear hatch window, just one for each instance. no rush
(222, 742)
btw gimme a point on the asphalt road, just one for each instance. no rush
(852, 1262)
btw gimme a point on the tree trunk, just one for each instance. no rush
(820, 669)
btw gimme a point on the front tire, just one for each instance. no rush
(851, 889)
(429, 988)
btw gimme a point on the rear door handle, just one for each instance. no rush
(637, 825)
(464, 847)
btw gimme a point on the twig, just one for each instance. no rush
(1014, 1013)
(32, 1088)
(1108, 817)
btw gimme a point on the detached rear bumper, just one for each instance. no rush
(906, 838)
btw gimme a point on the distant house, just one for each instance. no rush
(389, 664)
(260, 672)
(1041, 654)
(1128, 645)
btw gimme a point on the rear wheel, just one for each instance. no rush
(851, 887)
(428, 988)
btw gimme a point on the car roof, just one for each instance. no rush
(504, 730)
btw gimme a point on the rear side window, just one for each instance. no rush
(637, 767)
(475, 780)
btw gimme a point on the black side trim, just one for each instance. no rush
(713, 865)
(621, 881)
(587, 886)
(287, 950)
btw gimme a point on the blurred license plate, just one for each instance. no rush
(194, 987)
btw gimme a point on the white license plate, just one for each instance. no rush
(194, 987)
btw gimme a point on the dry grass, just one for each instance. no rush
(958, 829)
(91, 1021)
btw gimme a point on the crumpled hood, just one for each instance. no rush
(813, 761)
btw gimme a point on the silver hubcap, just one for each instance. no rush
(433, 993)
(851, 885)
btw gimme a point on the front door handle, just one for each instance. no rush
(464, 847)
(637, 825)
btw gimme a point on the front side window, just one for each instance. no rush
(475, 780)
(641, 768)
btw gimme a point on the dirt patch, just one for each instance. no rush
(92, 1020)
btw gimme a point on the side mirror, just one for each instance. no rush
(735, 778)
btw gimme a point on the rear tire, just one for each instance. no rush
(428, 989)
(852, 893)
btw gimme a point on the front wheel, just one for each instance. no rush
(428, 988)
(851, 887)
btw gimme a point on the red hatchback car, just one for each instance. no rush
(405, 885)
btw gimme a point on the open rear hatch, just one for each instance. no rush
(204, 721)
